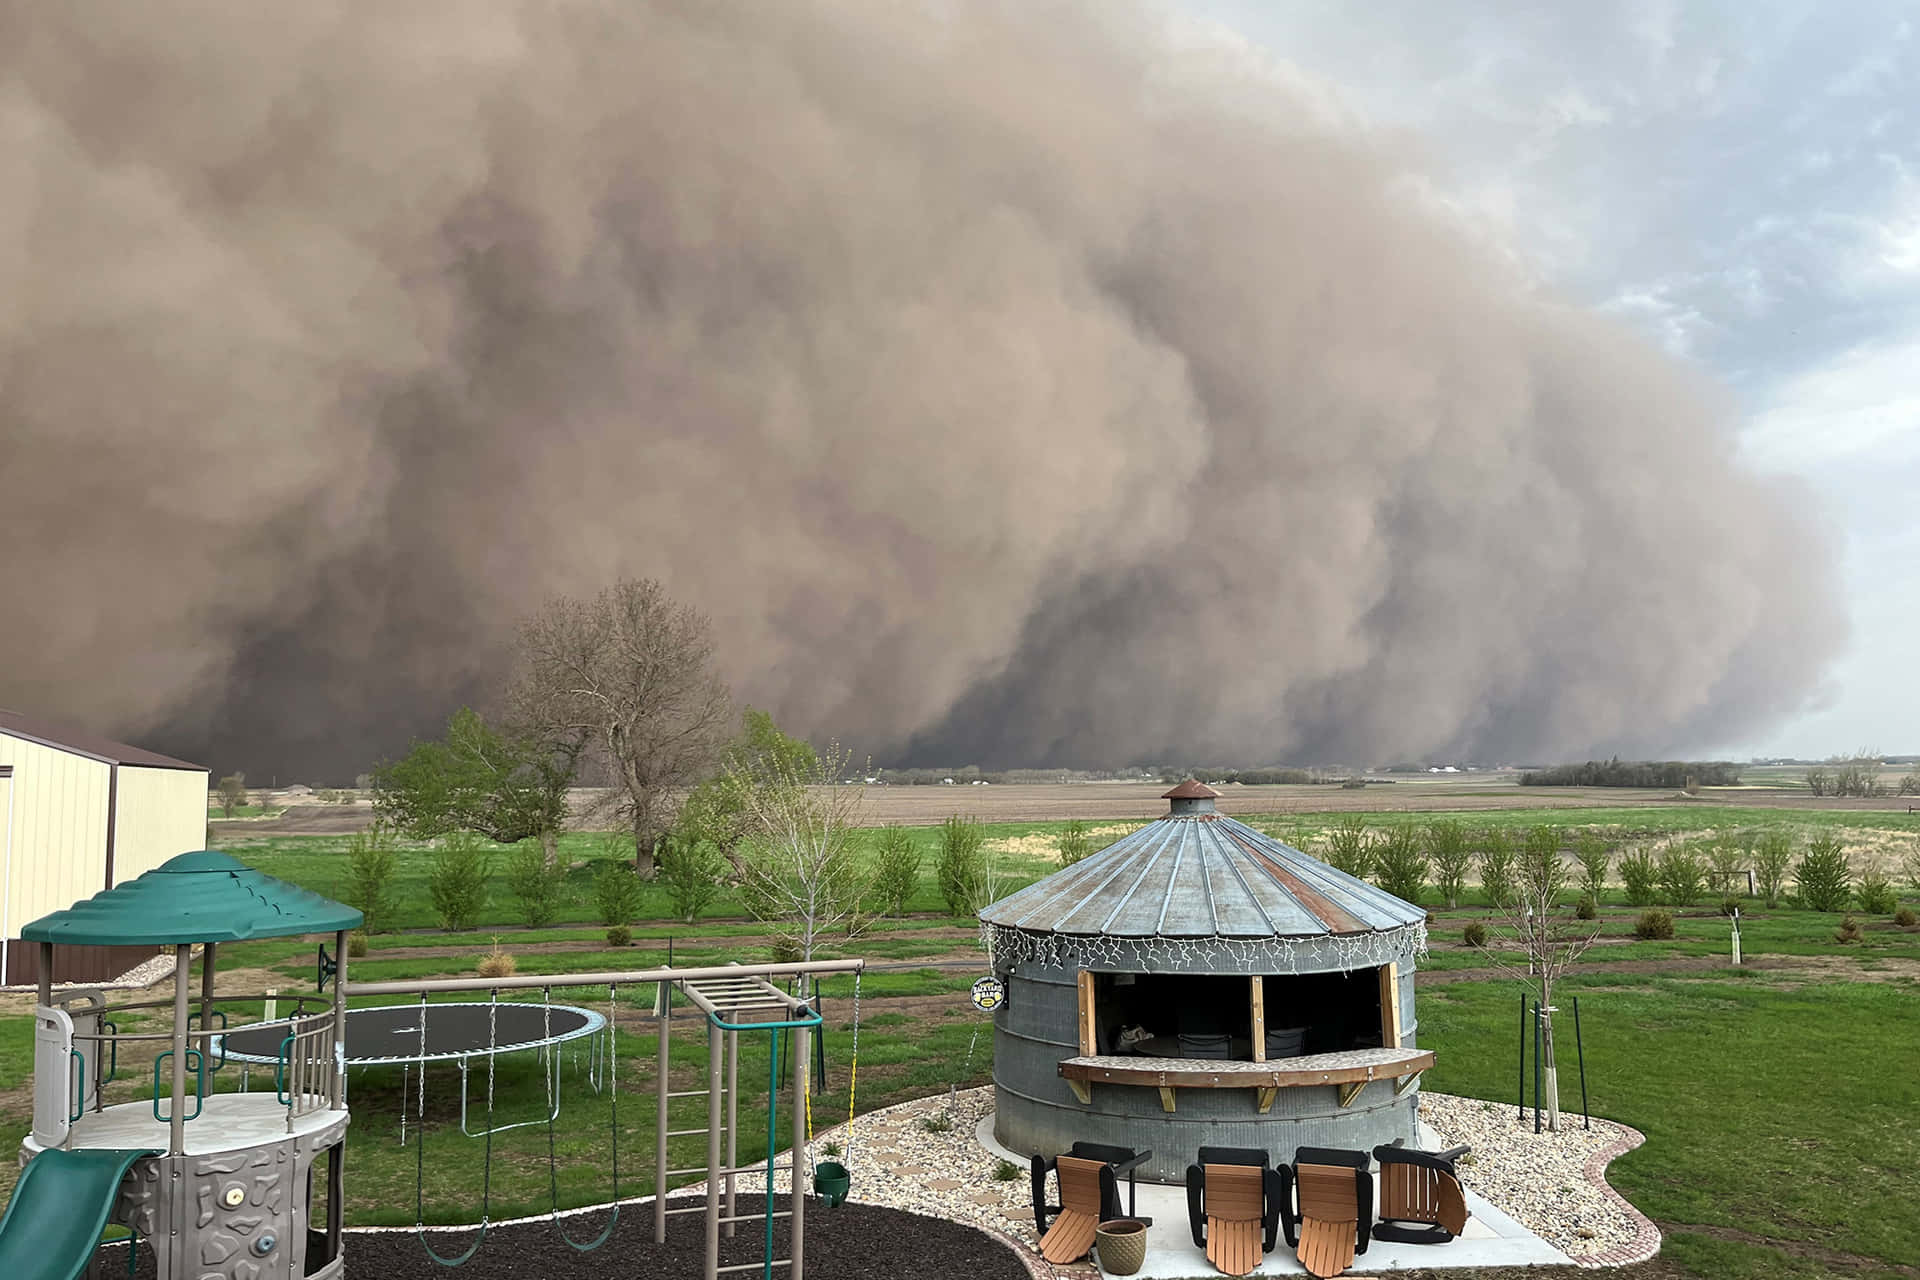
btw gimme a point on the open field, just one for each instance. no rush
(1092, 801)
(1773, 1095)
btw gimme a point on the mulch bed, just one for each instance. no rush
(853, 1242)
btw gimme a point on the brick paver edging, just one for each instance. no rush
(1646, 1237)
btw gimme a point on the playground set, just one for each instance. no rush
(221, 1183)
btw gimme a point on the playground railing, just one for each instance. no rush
(306, 1076)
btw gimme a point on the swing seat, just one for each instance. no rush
(832, 1182)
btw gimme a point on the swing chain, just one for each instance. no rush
(420, 1139)
(613, 1126)
(853, 1070)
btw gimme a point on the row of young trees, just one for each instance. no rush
(1406, 860)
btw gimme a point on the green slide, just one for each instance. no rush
(58, 1210)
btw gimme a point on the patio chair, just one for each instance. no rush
(1234, 1202)
(1421, 1200)
(1089, 1195)
(1329, 1224)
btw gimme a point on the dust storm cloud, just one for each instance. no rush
(1013, 383)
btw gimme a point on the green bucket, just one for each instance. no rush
(831, 1182)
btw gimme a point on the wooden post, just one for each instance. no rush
(1089, 1043)
(1259, 997)
(339, 1025)
(1390, 1006)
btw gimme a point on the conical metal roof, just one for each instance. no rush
(1201, 875)
(195, 897)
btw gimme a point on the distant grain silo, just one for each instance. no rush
(1198, 982)
(79, 814)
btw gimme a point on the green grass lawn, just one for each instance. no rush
(1777, 1102)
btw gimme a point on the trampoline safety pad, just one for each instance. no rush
(394, 1033)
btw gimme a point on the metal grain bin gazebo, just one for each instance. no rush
(1198, 982)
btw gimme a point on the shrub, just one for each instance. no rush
(1681, 876)
(1729, 905)
(1653, 925)
(619, 936)
(1475, 934)
(1349, 847)
(1849, 931)
(896, 871)
(1399, 866)
(1497, 866)
(1875, 892)
(1726, 859)
(690, 870)
(1452, 858)
(537, 887)
(1005, 1171)
(961, 869)
(617, 892)
(1772, 855)
(457, 881)
(1587, 910)
(357, 943)
(1640, 876)
(939, 1122)
(496, 963)
(1595, 854)
(1074, 843)
(1906, 918)
(1824, 879)
(370, 876)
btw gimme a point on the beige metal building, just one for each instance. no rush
(79, 814)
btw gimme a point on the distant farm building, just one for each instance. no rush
(79, 814)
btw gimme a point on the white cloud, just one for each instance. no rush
(1864, 404)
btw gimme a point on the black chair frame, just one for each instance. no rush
(1403, 1232)
(1363, 1192)
(1117, 1159)
(1276, 1187)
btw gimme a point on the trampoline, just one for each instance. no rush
(410, 1035)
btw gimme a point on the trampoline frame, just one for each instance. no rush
(591, 1029)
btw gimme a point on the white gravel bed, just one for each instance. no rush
(1540, 1181)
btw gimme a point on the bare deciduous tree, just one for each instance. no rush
(799, 866)
(632, 672)
(1551, 937)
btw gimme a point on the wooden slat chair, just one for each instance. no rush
(1234, 1203)
(1089, 1195)
(1329, 1224)
(1421, 1200)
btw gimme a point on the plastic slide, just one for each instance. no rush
(58, 1210)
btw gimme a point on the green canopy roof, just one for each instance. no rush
(196, 897)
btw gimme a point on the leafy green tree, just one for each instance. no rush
(616, 893)
(370, 858)
(537, 885)
(1824, 877)
(1640, 876)
(1497, 866)
(896, 871)
(1595, 854)
(691, 871)
(1452, 858)
(961, 866)
(1399, 866)
(1772, 856)
(504, 787)
(457, 880)
(716, 810)
(233, 792)
(1682, 876)
(1074, 843)
(1349, 845)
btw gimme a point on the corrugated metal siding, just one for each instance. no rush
(73, 964)
(160, 813)
(59, 846)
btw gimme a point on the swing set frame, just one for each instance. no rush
(734, 999)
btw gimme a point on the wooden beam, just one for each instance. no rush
(1351, 1090)
(1390, 1006)
(1081, 1090)
(1088, 1047)
(1405, 1083)
(1259, 999)
(1263, 1098)
(1166, 1099)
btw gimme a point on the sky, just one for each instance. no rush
(1738, 181)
